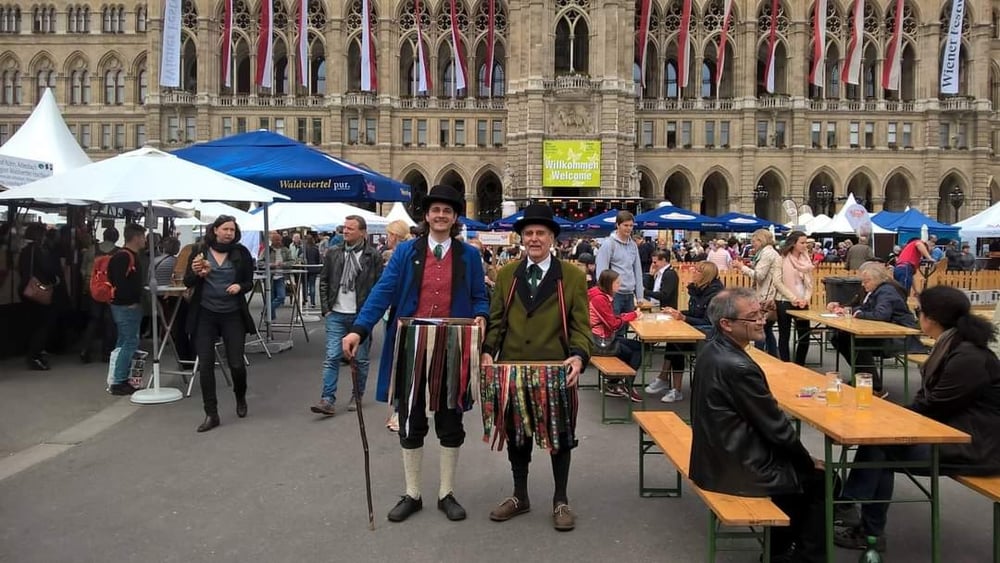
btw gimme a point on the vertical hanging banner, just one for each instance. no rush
(684, 48)
(227, 45)
(424, 83)
(369, 74)
(490, 45)
(952, 49)
(265, 46)
(642, 36)
(456, 50)
(851, 73)
(818, 72)
(893, 66)
(170, 55)
(720, 56)
(303, 47)
(772, 46)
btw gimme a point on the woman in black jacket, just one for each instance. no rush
(960, 387)
(36, 259)
(221, 272)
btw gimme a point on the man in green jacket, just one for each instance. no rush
(539, 313)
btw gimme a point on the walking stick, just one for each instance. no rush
(364, 444)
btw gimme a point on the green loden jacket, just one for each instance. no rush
(533, 331)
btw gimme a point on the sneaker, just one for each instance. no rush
(634, 395)
(352, 406)
(656, 387)
(324, 407)
(614, 390)
(854, 538)
(672, 396)
(122, 389)
(392, 423)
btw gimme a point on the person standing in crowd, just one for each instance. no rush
(280, 258)
(620, 253)
(764, 270)
(35, 260)
(646, 250)
(125, 276)
(718, 255)
(606, 327)
(539, 313)
(295, 248)
(858, 254)
(221, 273)
(590, 269)
(349, 273)
(742, 443)
(960, 387)
(794, 286)
(396, 232)
(967, 260)
(662, 282)
(99, 314)
(583, 247)
(908, 262)
(433, 276)
(937, 253)
(312, 257)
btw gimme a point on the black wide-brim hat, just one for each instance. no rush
(537, 214)
(445, 194)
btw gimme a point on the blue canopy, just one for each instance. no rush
(472, 224)
(507, 223)
(740, 223)
(603, 222)
(671, 217)
(294, 169)
(908, 224)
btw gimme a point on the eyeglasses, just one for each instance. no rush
(758, 317)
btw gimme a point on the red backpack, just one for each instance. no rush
(101, 289)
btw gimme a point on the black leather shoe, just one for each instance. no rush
(38, 364)
(210, 423)
(241, 408)
(451, 508)
(405, 508)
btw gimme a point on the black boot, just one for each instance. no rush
(211, 421)
(241, 407)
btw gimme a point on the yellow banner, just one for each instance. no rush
(571, 164)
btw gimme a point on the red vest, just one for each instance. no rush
(435, 288)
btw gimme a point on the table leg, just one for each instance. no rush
(935, 505)
(645, 348)
(828, 500)
(906, 374)
(996, 532)
(854, 360)
(168, 328)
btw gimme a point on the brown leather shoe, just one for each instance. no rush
(563, 518)
(509, 508)
(324, 407)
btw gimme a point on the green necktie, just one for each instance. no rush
(439, 251)
(534, 276)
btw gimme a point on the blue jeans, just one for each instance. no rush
(337, 325)
(278, 295)
(903, 274)
(877, 484)
(623, 303)
(127, 320)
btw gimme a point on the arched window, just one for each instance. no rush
(354, 65)
(11, 87)
(45, 79)
(189, 65)
(80, 83)
(140, 18)
(317, 67)
(671, 79)
(708, 79)
(106, 14)
(142, 82)
(572, 43)
(447, 78)
(354, 29)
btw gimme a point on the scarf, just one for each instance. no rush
(351, 267)
(800, 276)
(222, 247)
(935, 360)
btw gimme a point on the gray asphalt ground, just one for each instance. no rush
(87, 477)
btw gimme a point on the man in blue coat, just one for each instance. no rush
(433, 276)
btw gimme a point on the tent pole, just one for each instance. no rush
(267, 273)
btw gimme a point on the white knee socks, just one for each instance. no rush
(412, 460)
(449, 461)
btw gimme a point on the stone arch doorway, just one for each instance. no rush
(418, 189)
(821, 195)
(767, 196)
(897, 193)
(715, 195)
(994, 192)
(861, 186)
(952, 193)
(489, 196)
(677, 190)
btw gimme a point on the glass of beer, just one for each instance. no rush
(834, 396)
(863, 389)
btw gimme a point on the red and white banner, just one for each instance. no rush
(818, 72)
(227, 45)
(265, 46)
(642, 36)
(491, 17)
(369, 71)
(683, 48)
(424, 84)
(456, 49)
(772, 45)
(720, 56)
(893, 64)
(303, 47)
(851, 73)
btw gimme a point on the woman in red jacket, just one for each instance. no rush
(603, 326)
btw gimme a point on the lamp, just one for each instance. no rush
(824, 197)
(957, 198)
(760, 193)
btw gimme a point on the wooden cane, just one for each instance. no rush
(364, 444)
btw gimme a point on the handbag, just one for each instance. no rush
(35, 290)
(604, 345)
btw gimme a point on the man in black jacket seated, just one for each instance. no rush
(742, 442)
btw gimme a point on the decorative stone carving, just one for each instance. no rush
(571, 119)
(508, 180)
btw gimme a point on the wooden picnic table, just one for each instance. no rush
(659, 328)
(883, 423)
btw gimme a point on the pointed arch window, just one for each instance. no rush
(80, 87)
(140, 19)
(143, 86)
(317, 66)
(708, 79)
(11, 87)
(45, 79)
(671, 78)
(572, 43)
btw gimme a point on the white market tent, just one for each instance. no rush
(838, 224)
(399, 213)
(319, 216)
(985, 224)
(45, 137)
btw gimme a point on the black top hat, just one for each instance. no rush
(445, 194)
(537, 214)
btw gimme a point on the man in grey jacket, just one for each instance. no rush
(349, 272)
(620, 253)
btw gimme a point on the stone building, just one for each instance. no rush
(563, 70)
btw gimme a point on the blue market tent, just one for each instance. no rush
(507, 223)
(472, 224)
(907, 224)
(671, 217)
(294, 169)
(740, 223)
(603, 222)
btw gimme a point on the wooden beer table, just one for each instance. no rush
(651, 330)
(883, 423)
(859, 329)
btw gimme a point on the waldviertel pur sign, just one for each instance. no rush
(16, 171)
(571, 164)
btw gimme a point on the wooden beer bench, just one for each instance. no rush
(990, 488)
(610, 367)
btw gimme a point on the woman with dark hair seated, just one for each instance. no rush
(960, 387)
(885, 300)
(604, 324)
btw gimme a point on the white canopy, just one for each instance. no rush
(45, 137)
(839, 224)
(141, 175)
(319, 216)
(398, 213)
(208, 211)
(982, 225)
